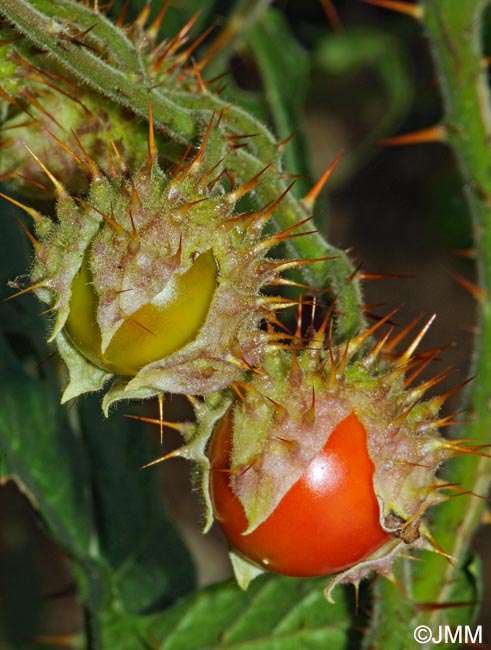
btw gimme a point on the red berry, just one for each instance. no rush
(325, 463)
(328, 520)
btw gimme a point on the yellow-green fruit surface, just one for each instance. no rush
(151, 333)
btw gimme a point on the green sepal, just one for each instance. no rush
(84, 377)
(244, 570)
(119, 391)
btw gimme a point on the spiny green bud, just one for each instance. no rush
(43, 110)
(47, 113)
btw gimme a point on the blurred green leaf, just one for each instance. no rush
(20, 575)
(151, 566)
(38, 446)
(46, 459)
(80, 472)
(284, 69)
(371, 65)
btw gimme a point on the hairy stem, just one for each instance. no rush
(454, 31)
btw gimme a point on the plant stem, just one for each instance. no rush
(109, 80)
(454, 31)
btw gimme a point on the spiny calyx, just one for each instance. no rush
(283, 421)
(45, 111)
(156, 277)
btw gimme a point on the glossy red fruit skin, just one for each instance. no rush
(328, 521)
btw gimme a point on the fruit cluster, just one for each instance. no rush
(317, 455)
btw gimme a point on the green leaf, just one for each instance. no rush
(275, 612)
(398, 609)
